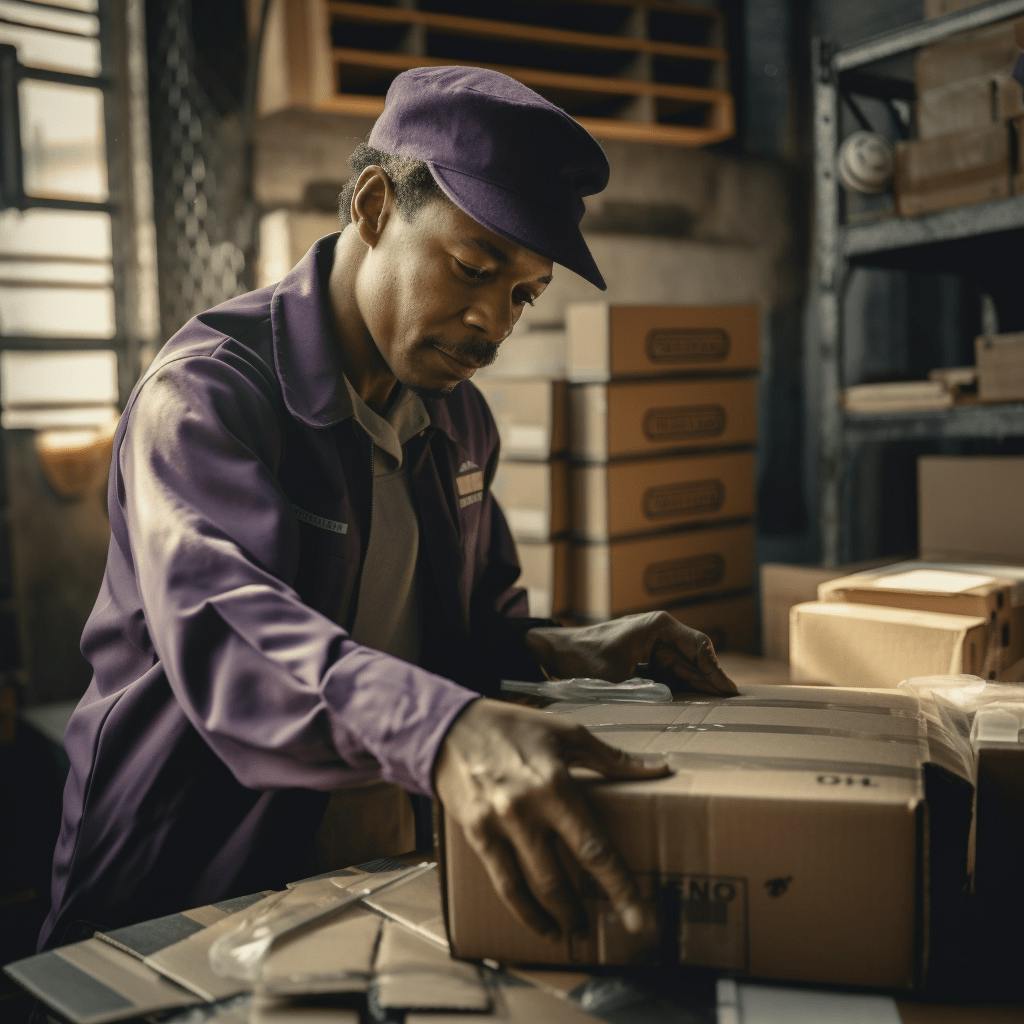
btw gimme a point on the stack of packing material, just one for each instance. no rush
(663, 409)
(898, 396)
(531, 482)
(969, 112)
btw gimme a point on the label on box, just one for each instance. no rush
(670, 500)
(713, 921)
(683, 345)
(684, 422)
(682, 574)
(932, 581)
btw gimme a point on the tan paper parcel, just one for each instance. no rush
(936, 590)
(643, 495)
(663, 569)
(534, 497)
(609, 341)
(872, 646)
(790, 843)
(530, 415)
(652, 417)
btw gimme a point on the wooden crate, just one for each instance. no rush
(645, 70)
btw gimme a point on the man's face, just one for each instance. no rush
(439, 293)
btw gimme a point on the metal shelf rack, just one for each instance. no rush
(971, 241)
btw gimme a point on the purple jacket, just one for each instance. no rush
(226, 700)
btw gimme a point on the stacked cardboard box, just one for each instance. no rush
(663, 422)
(531, 482)
(969, 116)
(959, 609)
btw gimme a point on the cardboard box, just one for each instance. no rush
(790, 844)
(873, 646)
(989, 50)
(965, 508)
(731, 622)
(546, 576)
(952, 593)
(534, 497)
(1000, 360)
(622, 576)
(953, 170)
(968, 104)
(530, 414)
(620, 498)
(608, 341)
(621, 418)
(530, 353)
(782, 587)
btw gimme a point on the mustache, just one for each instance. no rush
(473, 351)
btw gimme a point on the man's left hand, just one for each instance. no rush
(612, 650)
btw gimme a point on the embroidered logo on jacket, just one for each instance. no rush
(321, 521)
(469, 483)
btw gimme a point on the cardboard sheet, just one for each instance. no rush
(413, 973)
(92, 982)
(416, 905)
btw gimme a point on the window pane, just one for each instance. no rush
(41, 49)
(55, 233)
(57, 312)
(62, 137)
(57, 378)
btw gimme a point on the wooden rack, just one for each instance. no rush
(646, 70)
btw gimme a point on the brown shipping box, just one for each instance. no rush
(953, 170)
(653, 572)
(638, 496)
(623, 418)
(783, 586)
(965, 508)
(982, 51)
(530, 414)
(608, 341)
(790, 843)
(545, 575)
(968, 104)
(873, 646)
(534, 497)
(934, 590)
(1000, 361)
(731, 622)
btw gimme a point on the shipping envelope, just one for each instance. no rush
(873, 646)
(787, 844)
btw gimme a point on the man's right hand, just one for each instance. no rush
(503, 775)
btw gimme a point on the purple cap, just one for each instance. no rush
(512, 160)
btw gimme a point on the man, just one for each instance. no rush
(309, 584)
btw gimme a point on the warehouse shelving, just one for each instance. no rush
(973, 241)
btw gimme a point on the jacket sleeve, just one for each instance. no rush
(281, 693)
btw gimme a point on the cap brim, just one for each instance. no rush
(546, 231)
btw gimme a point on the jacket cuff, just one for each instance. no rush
(402, 714)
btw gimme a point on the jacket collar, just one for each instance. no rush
(307, 352)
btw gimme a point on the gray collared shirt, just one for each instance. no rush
(387, 613)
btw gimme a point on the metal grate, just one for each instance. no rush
(205, 220)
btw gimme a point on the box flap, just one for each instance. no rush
(416, 904)
(413, 973)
